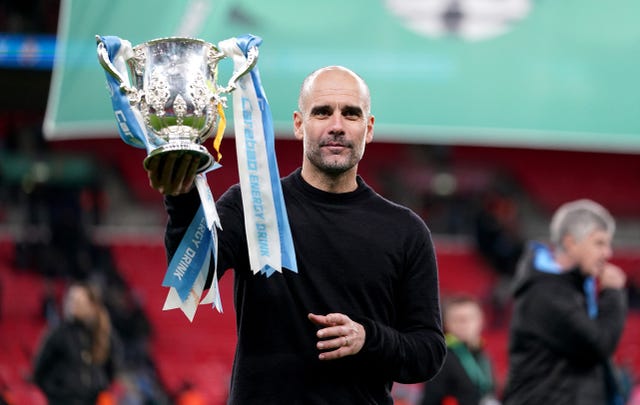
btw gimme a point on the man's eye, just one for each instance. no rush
(352, 113)
(320, 112)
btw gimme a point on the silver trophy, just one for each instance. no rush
(174, 89)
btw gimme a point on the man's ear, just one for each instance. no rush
(297, 125)
(370, 121)
(567, 242)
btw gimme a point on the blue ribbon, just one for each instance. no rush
(130, 128)
(192, 256)
(287, 251)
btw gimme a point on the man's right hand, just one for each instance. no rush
(612, 276)
(172, 173)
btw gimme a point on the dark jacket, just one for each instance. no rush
(557, 351)
(64, 370)
(467, 376)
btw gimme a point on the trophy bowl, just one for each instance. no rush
(171, 83)
(176, 83)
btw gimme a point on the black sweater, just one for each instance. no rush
(358, 254)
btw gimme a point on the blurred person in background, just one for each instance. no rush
(77, 359)
(569, 313)
(467, 375)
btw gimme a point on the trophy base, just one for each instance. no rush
(199, 151)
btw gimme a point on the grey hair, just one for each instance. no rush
(306, 84)
(579, 218)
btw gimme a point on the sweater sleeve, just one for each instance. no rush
(434, 391)
(181, 209)
(562, 322)
(412, 350)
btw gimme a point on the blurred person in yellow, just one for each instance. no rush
(77, 359)
(467, 375)
(569, 313)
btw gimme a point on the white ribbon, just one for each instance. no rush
(266, 224)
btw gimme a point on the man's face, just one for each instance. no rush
(464, 321)
(591, 252)
(334, 122)
(78, 305)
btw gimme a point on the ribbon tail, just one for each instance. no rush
(213, 295)
(213, 224)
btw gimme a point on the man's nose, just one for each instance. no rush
(336, 123)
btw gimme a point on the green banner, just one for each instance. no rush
(561, 74)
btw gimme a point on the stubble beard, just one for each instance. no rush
(330, 164)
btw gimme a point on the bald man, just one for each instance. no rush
(364, 309)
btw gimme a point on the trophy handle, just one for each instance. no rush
(109, 67)
(252, 59)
